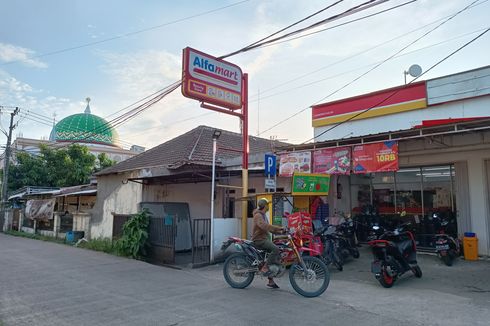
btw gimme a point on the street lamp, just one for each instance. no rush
(216, 135)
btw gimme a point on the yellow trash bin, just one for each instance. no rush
(470, 246)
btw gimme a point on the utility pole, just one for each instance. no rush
(7, 158)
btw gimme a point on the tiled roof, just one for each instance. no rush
(193, 147)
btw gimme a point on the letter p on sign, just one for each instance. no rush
(270, 165)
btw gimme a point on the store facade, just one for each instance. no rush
(440, 169)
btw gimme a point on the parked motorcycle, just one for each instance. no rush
(328, 244)
(394, 254)
(308, 275)
(347, 240)
(447, 247)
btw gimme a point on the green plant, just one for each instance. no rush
(134, 240)
(100, 244)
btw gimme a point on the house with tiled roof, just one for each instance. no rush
(174, 180)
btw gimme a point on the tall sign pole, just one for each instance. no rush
(244, 118)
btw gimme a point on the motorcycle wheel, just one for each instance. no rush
(385, 279)
(311, 282)
(355, 253)
(447, 259)
(232, 271)
(337, 261)
(417, 271)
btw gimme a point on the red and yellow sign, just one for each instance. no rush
(378, 157)
(389, 101)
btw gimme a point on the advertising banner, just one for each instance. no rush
(378, 157)
(332, 160)
(212, 80)
(295, 162)
(40, 209)
(310, 184)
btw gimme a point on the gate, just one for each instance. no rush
(162, 239)
(201, 240)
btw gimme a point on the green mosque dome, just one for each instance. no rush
(84, 128)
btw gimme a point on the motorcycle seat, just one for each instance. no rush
(404, 246)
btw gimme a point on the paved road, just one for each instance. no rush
(44, 283)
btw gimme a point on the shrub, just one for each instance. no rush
(134, 240)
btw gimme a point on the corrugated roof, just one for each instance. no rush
(193, 147)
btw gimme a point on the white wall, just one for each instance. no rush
(113, 196)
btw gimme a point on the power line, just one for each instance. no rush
(373, 68)
(126, 34)
(161, 94)
(364, 66)
(363, 6)
(395, 92)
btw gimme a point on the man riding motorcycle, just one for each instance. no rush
(260, 236)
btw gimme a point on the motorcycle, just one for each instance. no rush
(347, 241)
(308, 275)
(447, 247)
(328, 245)
(394, 254)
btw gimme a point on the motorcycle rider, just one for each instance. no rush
(260, 236)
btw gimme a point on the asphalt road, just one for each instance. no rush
(45, 283)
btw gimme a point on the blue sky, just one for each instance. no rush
(283, 79)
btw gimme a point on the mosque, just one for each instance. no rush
(82, 128)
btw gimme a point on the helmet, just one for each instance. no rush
(263, 202)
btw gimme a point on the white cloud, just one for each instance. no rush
(141, 73)
(12, 53)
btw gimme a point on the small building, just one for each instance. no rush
(173, 181)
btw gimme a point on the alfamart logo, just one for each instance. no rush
(205, 67)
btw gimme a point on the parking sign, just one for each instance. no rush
(270, 165)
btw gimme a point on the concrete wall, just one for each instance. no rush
(198, 195)
(113, 196)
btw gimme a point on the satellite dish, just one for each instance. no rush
(415, 70)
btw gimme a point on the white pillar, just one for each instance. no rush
(478, 198)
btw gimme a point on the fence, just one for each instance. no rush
(162, 239)
(201, 240)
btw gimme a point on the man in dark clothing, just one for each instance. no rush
(260, 236)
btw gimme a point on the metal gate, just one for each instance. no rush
(201, 240)
(162, 235)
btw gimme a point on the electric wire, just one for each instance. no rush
(124, 35)
(288, 90)
(371, 69)
(397, 91)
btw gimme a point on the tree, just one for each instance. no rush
(103, 162)
(52, 167)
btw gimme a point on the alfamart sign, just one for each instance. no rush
(208, 79)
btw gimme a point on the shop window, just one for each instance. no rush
(360, 192)
(383, 185)
(438, 202)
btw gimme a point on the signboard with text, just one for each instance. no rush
(209, 79)
(377, 157)
(310, 184)
(295, 162)
(332, 160)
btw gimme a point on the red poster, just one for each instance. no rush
(332, 160)
(376, 157)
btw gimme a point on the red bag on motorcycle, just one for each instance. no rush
(301, 222)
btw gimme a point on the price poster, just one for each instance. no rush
(377, 157)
